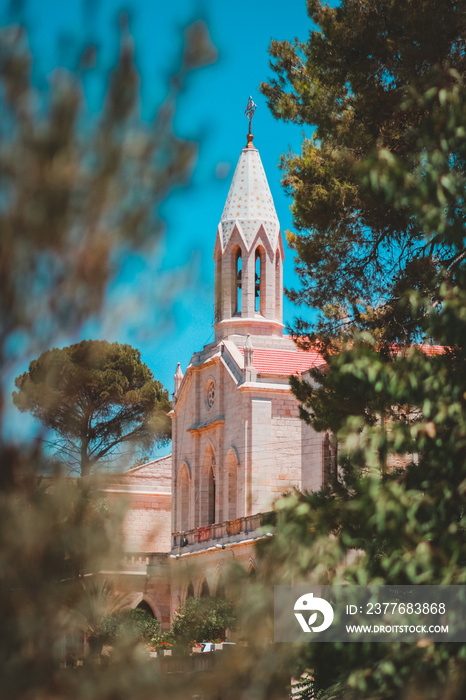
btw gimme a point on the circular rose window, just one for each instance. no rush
(210, 394)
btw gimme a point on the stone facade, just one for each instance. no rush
(238, 442)
(147, 492)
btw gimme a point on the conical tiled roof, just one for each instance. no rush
(249, 203)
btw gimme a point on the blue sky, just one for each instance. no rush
(212, 113)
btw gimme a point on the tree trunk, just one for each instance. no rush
(85, 462)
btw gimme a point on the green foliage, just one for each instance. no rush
(390, 405)
(98, 397)
(379, 209)
(134, 623)
(141, 624)
(203, 619)
(350, 82)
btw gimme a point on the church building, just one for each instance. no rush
(238, 441)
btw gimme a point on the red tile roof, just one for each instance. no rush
(288, 362)
(285, 362)
(432, 349)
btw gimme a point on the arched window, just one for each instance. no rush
(218, 287)
(204, 592)
(329, 460)
(183, 499)
(208, 496)
(237, 278)
(232, 472)
(259, 277)
(220, 589)
(190, 591)
(211, 493)
(278, 286)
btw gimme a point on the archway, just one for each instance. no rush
(259, 284)
(220, 589)
(204, 590)
(237, 270)
(329, 461)
(208, 494)
(218, 287)
(145, 607)
(232, 474)
(183, 484)
(278, 286)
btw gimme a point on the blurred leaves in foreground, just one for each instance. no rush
(73, 187)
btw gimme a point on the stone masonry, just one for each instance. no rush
(238, 442)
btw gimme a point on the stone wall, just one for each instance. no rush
(145, 493)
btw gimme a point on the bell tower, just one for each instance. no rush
(238, 441)
(248, 253)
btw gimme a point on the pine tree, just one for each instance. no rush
(350, 82)
(99, 398)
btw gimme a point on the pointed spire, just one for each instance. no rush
(249, 203)
(248, 353)
(248, 254)
(178, 379)
(250, 373)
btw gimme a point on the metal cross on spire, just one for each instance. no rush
(250, 109)
(249, 112)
